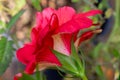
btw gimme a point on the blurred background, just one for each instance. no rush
(101, 53)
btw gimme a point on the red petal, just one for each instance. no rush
(83, 37)
(65, 14)
(45, 54)
(34, 35)
(75, 25)
(42, 34)
(31, 67)
(49, 29)
(90, 13)
(86, 36)
(42, 19)
(39, 19)
(62, 43)
(26, 54)
(54, 22)
(47, 13)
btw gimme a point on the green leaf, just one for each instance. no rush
(36, 4)
(2, 27)
(2, 31)
(26, 77)
(116, 53)
(39, 74)
(103, 5)
(6, 53)
(80, 66)
(74, 1)
(67, 62)
(14, 19)
(100, 72)
(96, 50)
(74, 53)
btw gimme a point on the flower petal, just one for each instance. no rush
(54, 22)
(47, 13)
(85, 36)
(42, 34)
(45, 54)
(42, 19)
(62, 43)
(25, 54)
(34, 35)
(39, 19)
(31, 67)
(75, 25)
(65, 14)
(90, 13)
(49, 29)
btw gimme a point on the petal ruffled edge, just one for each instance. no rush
(75, 25)
(65, 14)
(25, 54)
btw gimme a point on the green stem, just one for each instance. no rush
(117, 23)
(84, 78)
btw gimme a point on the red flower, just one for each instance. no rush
(54, 29)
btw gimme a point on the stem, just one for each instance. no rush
(84, 78)
(38, 74)
(116, 25)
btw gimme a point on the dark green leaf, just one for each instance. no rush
(36, 4)
(14, 19)
(6, 53)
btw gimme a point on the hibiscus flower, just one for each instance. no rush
(54, 30)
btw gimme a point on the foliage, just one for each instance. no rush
(6, 44)
(14, 19)
(36, 4)
(6, 53)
